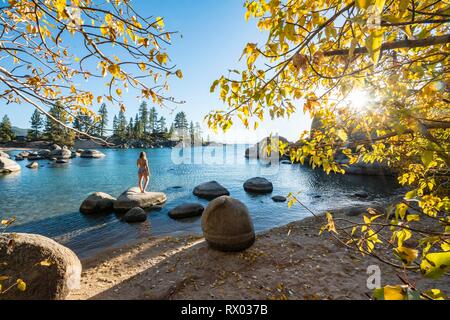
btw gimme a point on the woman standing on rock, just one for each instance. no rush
(143, 171)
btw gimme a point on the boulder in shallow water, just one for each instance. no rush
(186, 210)
(210, 190)
(92, 154)
(49, 269)
(55, 147)
(98, 202)
(227, 225)
(24, 154)
(279, 199)
(45, 153)
(8, 166)
(135, 215)
(133, 198)
(258, 185)
(62, 154)
(33, 165)
(4, 155)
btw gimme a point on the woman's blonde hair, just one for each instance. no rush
(143, 155)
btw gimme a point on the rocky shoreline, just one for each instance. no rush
(289, 262)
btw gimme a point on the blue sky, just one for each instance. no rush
(214, 34)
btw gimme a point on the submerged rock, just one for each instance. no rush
(133, 198)
(227, 225)
(49, 269)
(361, 195)
(98, 202)
(95, 154)
(186, 210)
(258, 185)
(19, 158)
(135, 215)
(8, 166)
(210, 190)
(33, 165)
(279, 199)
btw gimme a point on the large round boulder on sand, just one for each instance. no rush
(133, 198)
(258, 185)
(186, 210)
(4, 155)
(227, 225)
(210, 190)
(92, 154)
(98, 202)
(49, 270)
(135, 215)
(8, 166)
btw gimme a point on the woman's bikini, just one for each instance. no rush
(141, 169)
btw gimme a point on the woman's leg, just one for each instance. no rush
(146, 181)
(140, 182)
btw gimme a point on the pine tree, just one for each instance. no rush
(6, 132)
(138, 129)
(130, 129)
(162, 129)
(121, 126)
(37, 123)
(153, 120)
(54, 131)
(144, 118)
(103, 123)
(180, 121)
(115, 125)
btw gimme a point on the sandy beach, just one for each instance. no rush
(290, 262)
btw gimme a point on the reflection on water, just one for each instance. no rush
(46, 201)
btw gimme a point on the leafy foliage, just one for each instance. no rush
(320, 54)
(41, 66)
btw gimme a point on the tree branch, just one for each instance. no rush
(431, 41)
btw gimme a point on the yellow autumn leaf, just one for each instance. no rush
(179, 74)
(373, 44)
(114, 69)
(394, 293)
(21, 285)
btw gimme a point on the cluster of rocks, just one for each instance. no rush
(55, 153)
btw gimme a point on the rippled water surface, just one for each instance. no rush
(46, 201)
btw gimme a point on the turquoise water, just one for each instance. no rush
(46, 201)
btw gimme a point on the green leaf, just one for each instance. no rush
(427, 157)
